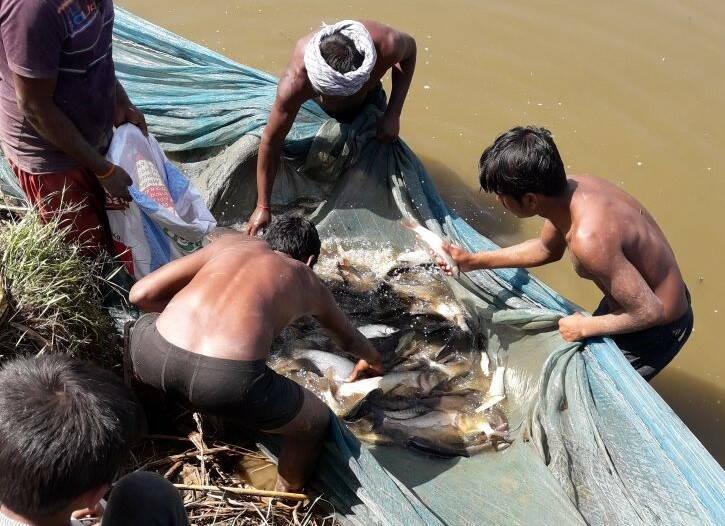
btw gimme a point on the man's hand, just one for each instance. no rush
(127, 112)
(117, 183)
(464, 259)
(372, 368)
(90, 515)
(388, 127)
(258, 220)
(572, 327)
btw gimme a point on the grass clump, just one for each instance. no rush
(53, 293)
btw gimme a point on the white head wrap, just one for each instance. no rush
(324, 78)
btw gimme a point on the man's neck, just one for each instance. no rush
(60, 519)
(558, 209)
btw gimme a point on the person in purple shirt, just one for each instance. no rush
(59, 102)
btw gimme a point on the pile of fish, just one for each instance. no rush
(438, 393)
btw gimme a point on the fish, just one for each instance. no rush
(340, 366)
(405, 414)
(438, 395)
(403, 383)
(434, 242)
(496, 391)
(485, 363)
(451, 370)
(415, 258)
(358, 280)
(448, 402)
(376, 330)
(442, 433)
(326, 389)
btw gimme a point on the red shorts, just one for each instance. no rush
(77, 188)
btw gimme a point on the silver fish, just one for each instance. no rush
(403, 383)
(434, 242)
(340, 366)
(375, 330)
(496, 391)
(405, 414)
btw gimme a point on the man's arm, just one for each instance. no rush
(127, 112)
(347, 337)
(35, 99)
(153, 292)
(286, 105)
(547, 248)
(402, 51)
(602, 257)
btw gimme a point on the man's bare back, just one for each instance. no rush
(600, 208)
(233, 297)
(209, 323)
(242, 297)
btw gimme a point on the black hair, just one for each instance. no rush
(295, 236)
(65, 429)
(340, 53)
(522, 160)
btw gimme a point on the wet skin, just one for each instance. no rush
(230, 300)
(395, 50)
(613, 241)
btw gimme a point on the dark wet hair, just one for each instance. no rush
(340, 53)
(295, 236)
(522, 160)
(65, 429)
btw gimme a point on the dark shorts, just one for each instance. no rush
(247, 391)
(650, 350)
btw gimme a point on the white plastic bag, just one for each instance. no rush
(167, 218)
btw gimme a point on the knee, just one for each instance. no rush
(319, 422)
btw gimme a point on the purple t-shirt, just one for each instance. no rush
(67, 39)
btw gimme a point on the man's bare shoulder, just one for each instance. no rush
(230, 238)
(593, 243)
(294, 86)
(388, 40)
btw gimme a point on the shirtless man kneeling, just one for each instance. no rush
(612, 239)
(211, 320)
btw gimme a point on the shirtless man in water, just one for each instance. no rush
(340, 68)
(612, 239)
(212, 318)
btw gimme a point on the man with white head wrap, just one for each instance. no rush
(340, 67)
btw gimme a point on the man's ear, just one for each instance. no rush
(90, 498)
(311, 261)
(530, 202)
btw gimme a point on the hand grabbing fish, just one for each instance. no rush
(368, 369)
(436, 244)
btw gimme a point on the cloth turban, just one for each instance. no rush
(327, 80)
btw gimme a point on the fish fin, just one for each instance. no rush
(329, 377)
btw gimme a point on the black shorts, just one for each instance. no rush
(650, 350)
(247, 391)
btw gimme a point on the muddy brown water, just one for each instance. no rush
(632, 90)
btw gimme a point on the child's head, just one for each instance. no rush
(65, 429)
(524, 160)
